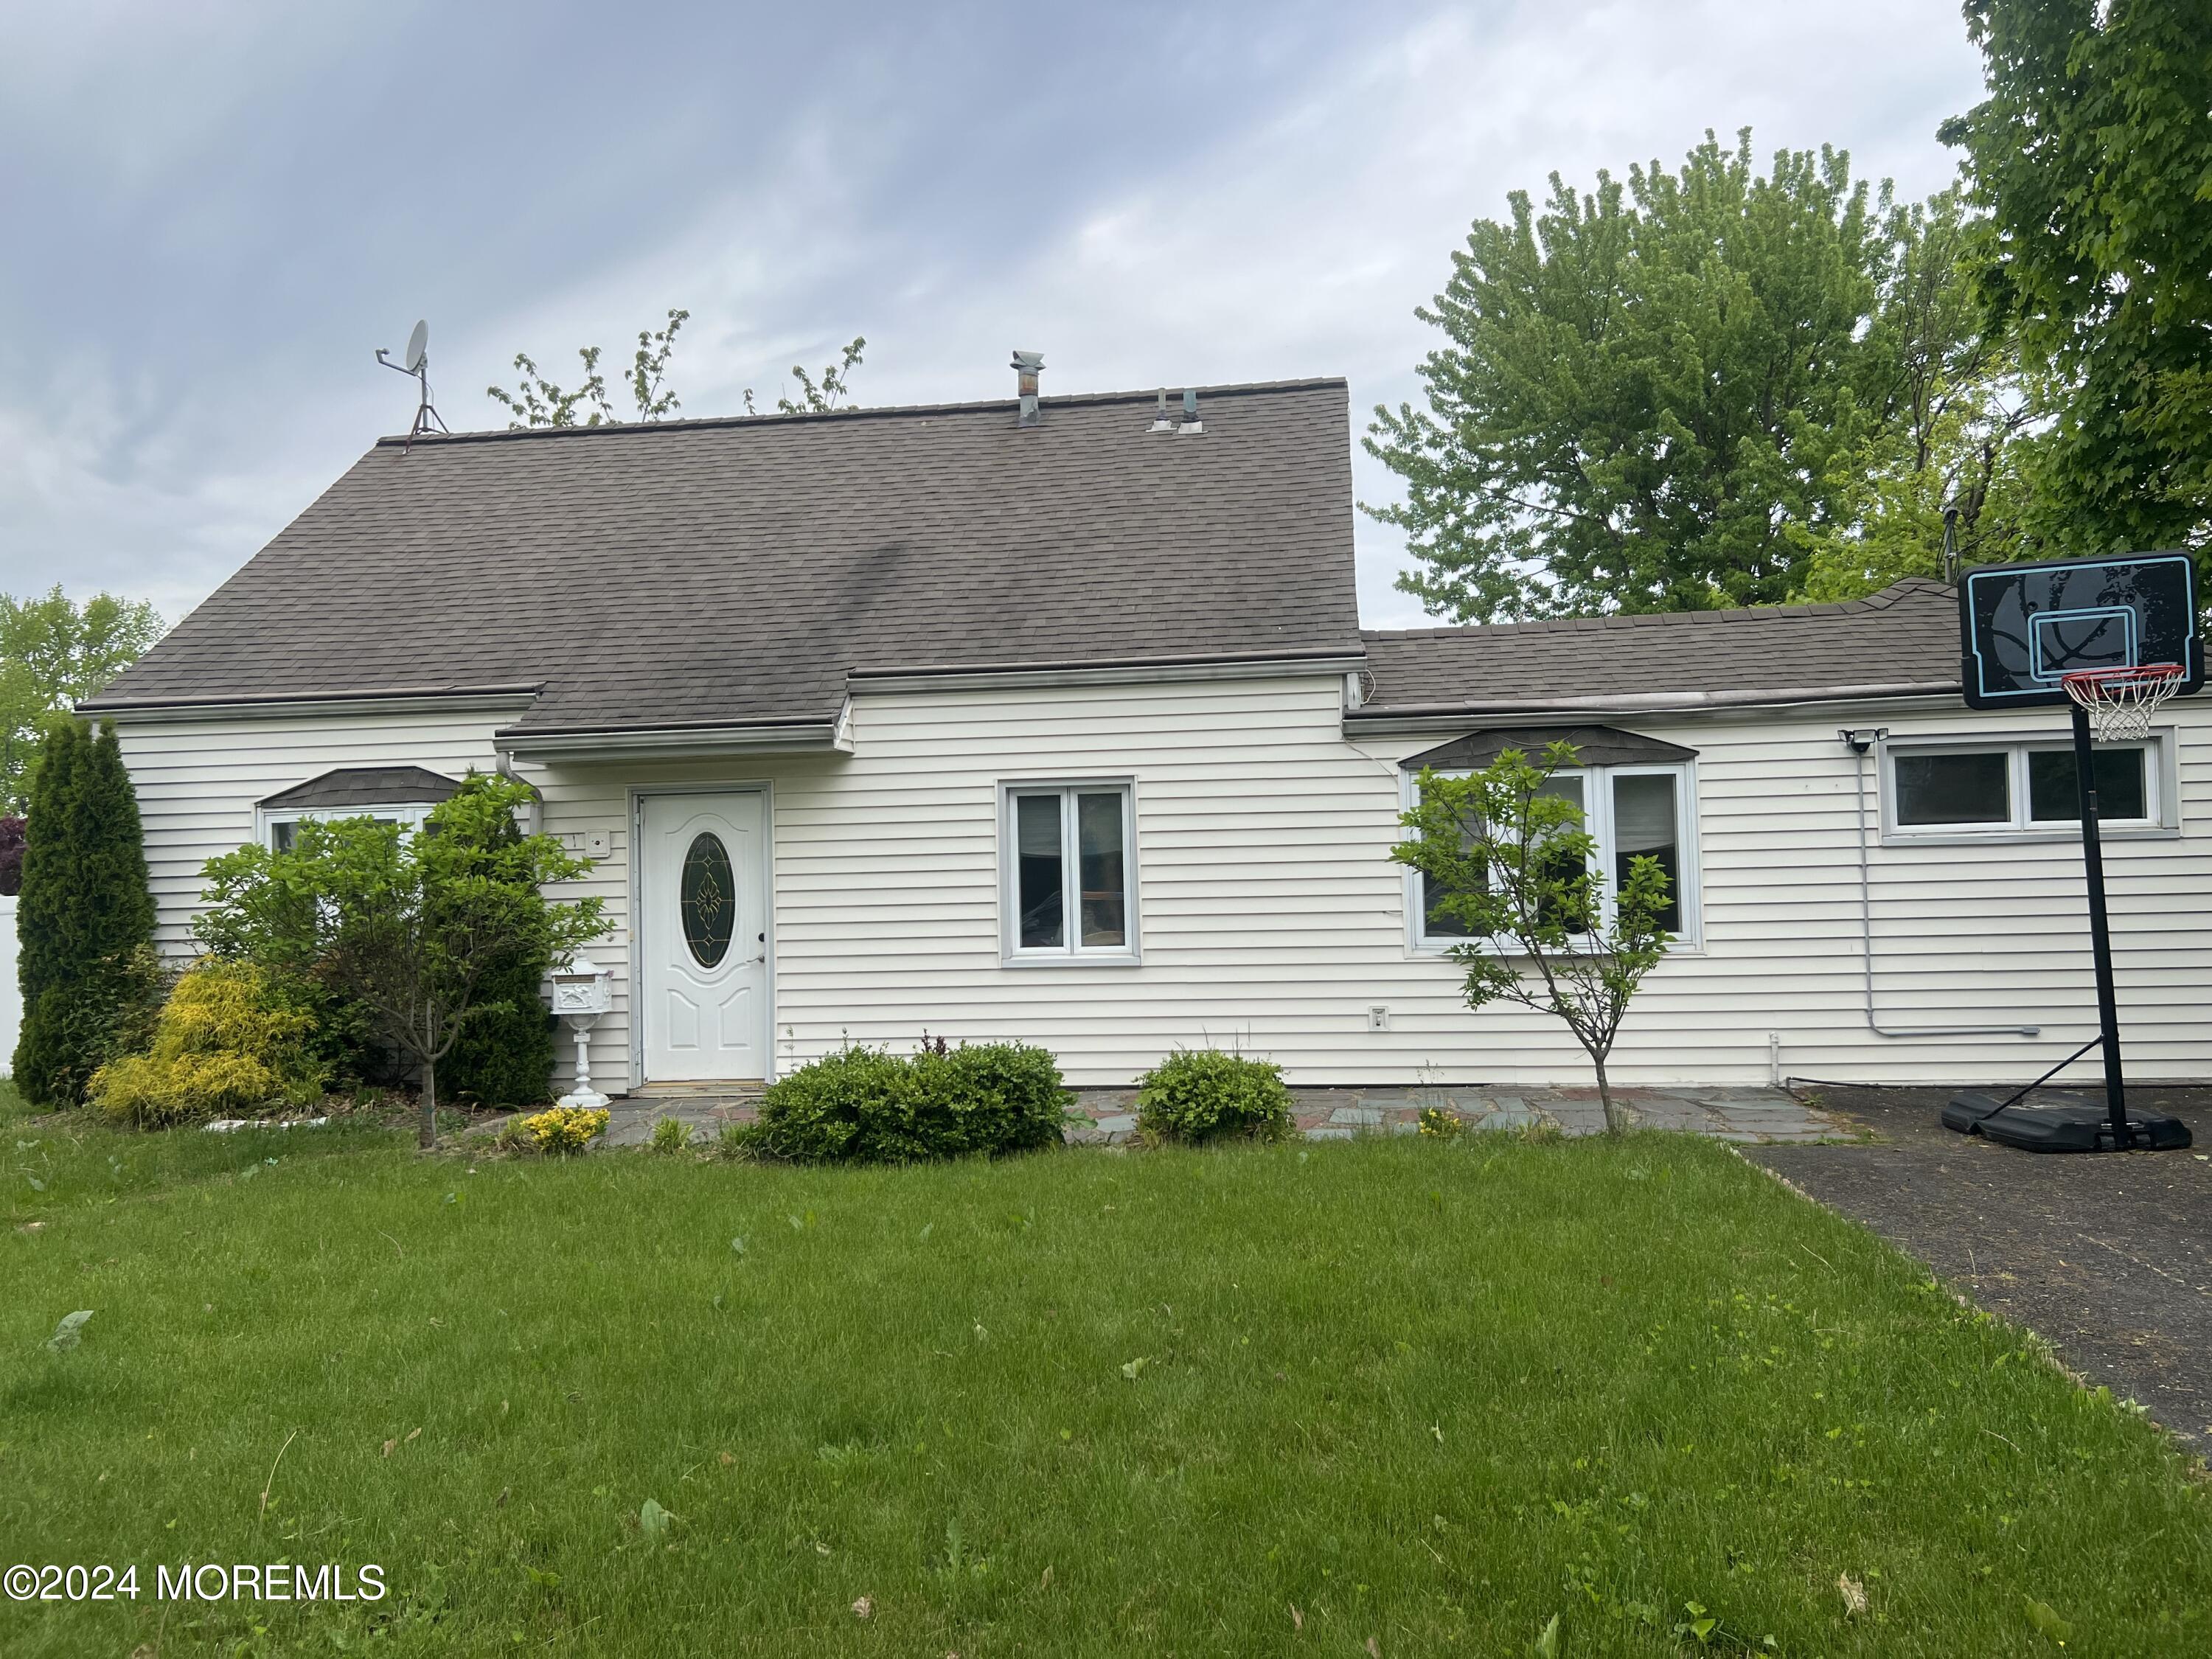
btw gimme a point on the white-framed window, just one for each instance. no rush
(1630, 811)
(277, 825)
(2021, 789)
(1068, 871)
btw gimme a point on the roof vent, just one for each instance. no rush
(1190, 420)
(1160, 421)
(1026, 366)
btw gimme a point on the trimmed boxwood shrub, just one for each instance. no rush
(865, 1105)
(1199, 1095)
(505, 1057)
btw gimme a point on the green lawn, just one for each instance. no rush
(1275, 1401)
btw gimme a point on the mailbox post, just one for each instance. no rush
(581, 996)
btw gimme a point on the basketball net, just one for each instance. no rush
(2120, 701)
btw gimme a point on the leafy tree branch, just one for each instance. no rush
(538, 401)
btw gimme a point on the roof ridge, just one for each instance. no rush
(711, 422)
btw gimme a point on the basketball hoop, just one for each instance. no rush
(2120, 701)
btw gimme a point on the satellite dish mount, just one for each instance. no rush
(417, 364)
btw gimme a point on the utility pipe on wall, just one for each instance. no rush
(1860, 740)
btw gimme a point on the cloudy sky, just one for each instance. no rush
(213, 213)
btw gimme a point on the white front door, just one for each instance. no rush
(701, 933)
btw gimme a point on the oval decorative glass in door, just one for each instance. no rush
(708, 896)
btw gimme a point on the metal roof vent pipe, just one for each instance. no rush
(1026, 366)
(1190, 421)
(1160, 421)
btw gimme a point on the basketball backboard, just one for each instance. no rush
(2023, 627)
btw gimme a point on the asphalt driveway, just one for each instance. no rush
(2107, 1256)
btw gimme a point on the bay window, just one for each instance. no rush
(1631, 812)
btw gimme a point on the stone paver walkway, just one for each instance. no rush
(631, 1117)
(1742, 1114)
(1763, 1116)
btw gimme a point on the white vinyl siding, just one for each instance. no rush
(198, 780)
(1271, 919)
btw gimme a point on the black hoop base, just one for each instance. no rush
(2065, 1123)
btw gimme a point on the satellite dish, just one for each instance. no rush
(417, 366)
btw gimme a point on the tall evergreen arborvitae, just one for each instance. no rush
(86, 917)
(40, 952)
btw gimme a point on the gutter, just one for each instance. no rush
(701, 738)
(938, 676)
(1427, 716)
(365, 700)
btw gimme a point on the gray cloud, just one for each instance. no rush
(215, 213)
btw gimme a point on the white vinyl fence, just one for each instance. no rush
(11, 994)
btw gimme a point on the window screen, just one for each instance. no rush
(1968, 788)
(1041, 921)
(1104, 869)
(2122, 792)
(1645, 824)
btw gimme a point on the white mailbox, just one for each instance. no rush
(581, 989)
(581, 996)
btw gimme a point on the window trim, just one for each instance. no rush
(1073, 954)
(408, 815)
(2161, 789)
(1597, 785)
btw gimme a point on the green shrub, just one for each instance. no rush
(562, 1130)
(669, 1135)
(1199, 1095)
(865, 1105)
(504, 1055)
(1442, 1123)
(230, 1041)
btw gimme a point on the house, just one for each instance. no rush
(1057, 723)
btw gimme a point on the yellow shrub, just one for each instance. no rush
(564, 1129)
(225, 1044)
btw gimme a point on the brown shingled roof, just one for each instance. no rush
(732, 572)
(1902, 639)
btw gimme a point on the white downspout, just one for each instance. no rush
(1860, 741)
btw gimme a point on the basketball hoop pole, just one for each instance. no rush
(2100, 936)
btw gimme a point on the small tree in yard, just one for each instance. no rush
(1507, 857)
(414, 926)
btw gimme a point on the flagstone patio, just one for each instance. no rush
(1761, 1115)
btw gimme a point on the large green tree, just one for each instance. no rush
(1952, 405)
(86, 964)
(53, 652)
(2092, 156)
(1667, 395)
